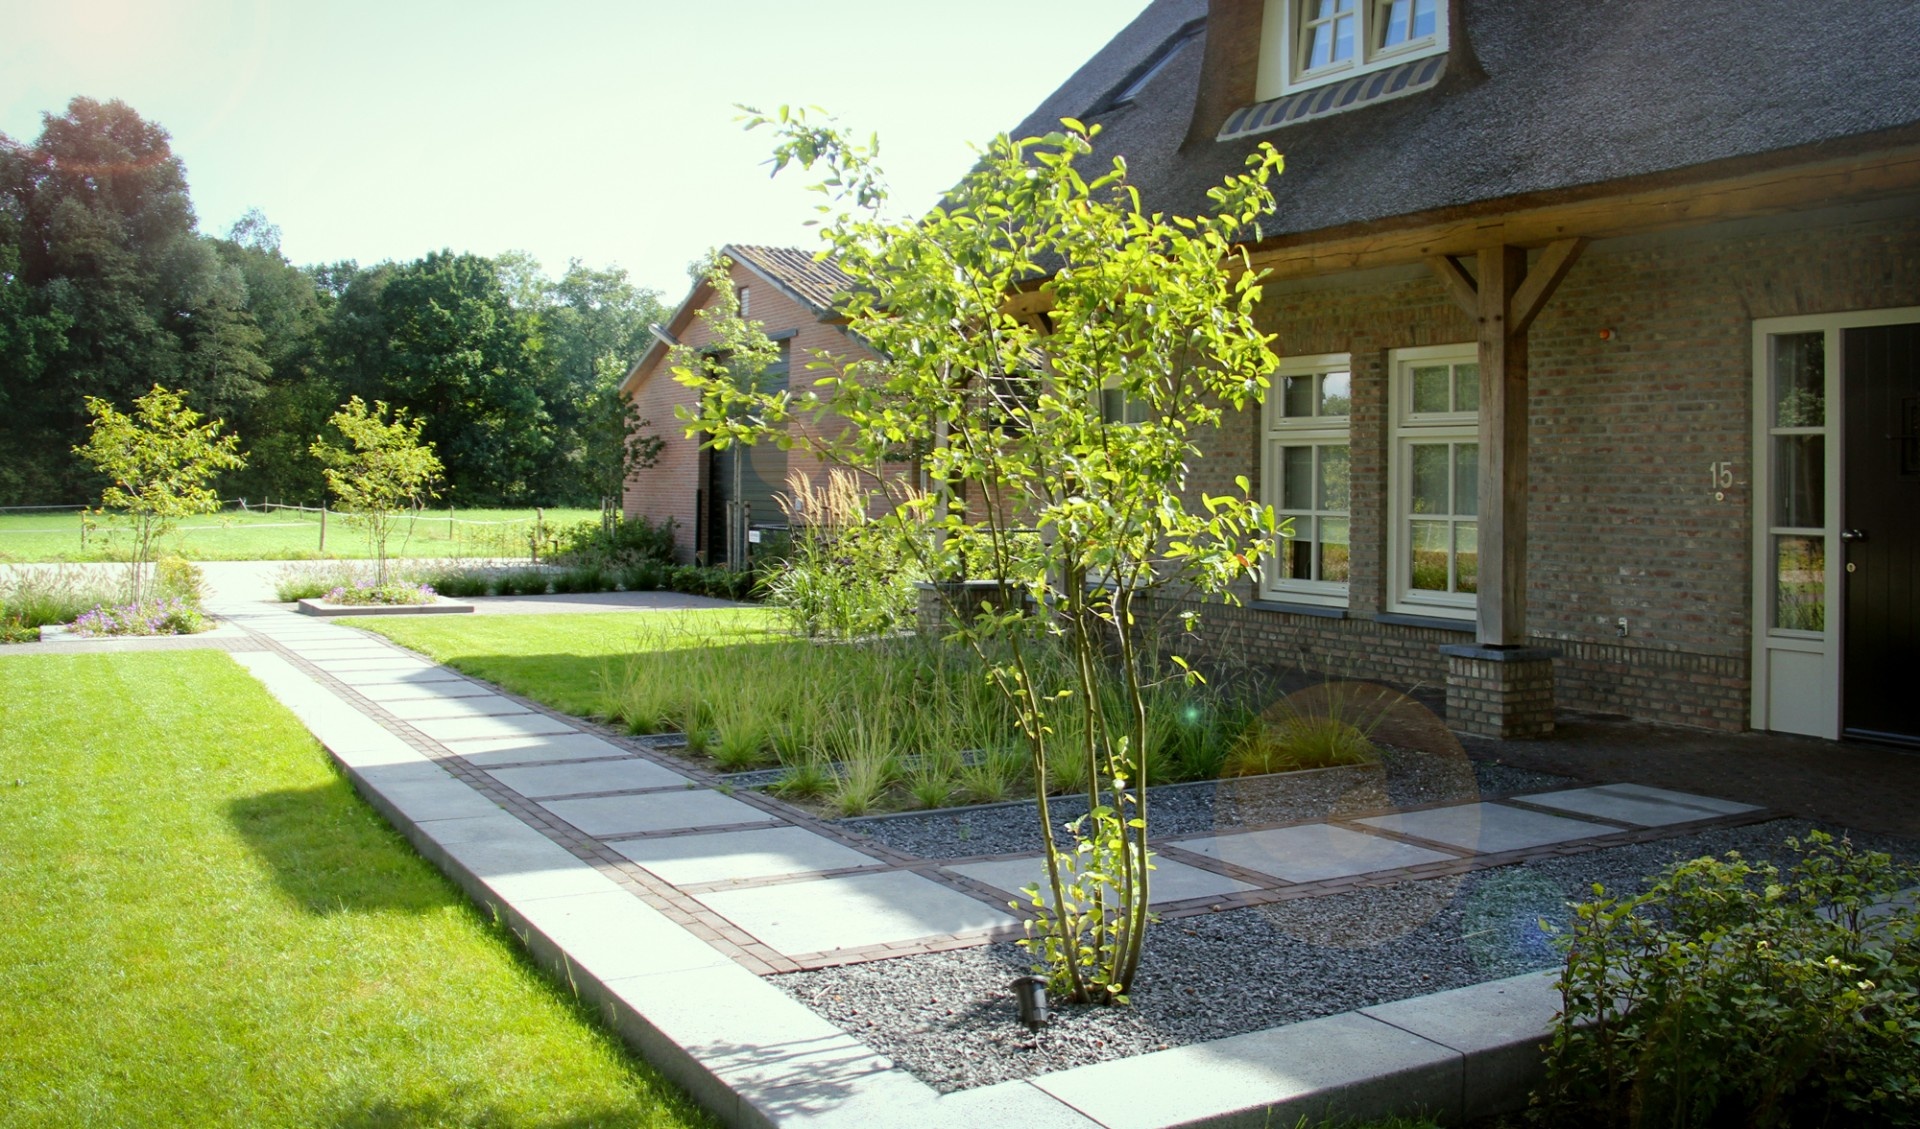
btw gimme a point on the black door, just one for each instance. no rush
(1880, 533)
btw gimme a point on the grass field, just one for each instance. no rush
(278, 535)
(202, 925)
(565, 660)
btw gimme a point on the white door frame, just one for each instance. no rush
(1796, 674)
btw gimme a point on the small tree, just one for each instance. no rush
(620, 441)
(1008, 319)
(159, 463)
(386, 469)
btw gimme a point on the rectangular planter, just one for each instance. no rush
(441, 606)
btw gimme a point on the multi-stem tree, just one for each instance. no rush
(1050, 348)
(384, 470)
(158, 462)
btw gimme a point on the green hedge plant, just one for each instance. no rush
(1732, 994)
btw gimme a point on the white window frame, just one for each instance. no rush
(1278, 431)
(1407, 428)
(1283, 46)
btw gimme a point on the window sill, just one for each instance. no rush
(1434, 622)
(1321, 611)
(1336, 94)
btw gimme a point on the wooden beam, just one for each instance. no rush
(1503, 452)
(1453, 275)
(1542, 280)
(1602, 212)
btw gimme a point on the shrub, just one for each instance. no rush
(394, 593)
(173, 616)
(521, 582)
(310, 580)
(181, 578)
(643, 577)
(839, 576)
(459, 583)
(32, 598)
(616, 544)
(1726, 994)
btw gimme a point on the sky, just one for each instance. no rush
(604, 131)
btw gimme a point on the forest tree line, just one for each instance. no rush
(107, 289)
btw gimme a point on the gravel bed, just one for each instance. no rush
(1403, 779)
(948, 1017)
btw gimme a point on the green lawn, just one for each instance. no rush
(564, 660)
(232, 535)
(202, 925)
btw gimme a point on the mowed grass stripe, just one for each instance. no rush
(202, 925)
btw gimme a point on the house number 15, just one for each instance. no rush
(1722, 475)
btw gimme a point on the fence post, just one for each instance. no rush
(323, 525)
(539, 527)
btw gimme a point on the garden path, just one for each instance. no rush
(667, 896)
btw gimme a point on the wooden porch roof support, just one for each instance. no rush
(1504, 297)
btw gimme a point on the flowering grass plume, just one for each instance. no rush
(363, 593)
(176, 616)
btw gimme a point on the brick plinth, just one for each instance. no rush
(1500, 692)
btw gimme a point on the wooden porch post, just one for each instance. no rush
(1503, 453)
(1503, 299)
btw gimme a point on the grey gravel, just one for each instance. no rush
(1402, 779)
(948, 1017)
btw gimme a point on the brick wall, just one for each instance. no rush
(1623, 517)
(669, 488)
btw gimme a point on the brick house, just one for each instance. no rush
(790, 295)
(1599, 325)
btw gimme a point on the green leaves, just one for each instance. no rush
(1005, 322)
(159, 463)
(384, 469)
(1726, 994)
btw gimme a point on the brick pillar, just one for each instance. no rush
(1504, 692)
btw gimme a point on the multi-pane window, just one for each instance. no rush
(1328, 29)
(1308, 42)
(1797, 526)
(1116, 407)
(1435, 466)
(1304, 461)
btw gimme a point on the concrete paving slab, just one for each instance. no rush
(1487, 828)
(483, 728)
(1497, 1027)
(417, 691)
(506, 860)
(1310, 852)
(370, 665)
(353, 738)
(654, 811)
(552, 747)
(547, 781)
(741, 1045)
(763, 853)
(358, 679)
(435, 707)
(424, 791)
(1171, 881)
(1342, 1066)
(867, 909)
(1638, 804)
(613, 934)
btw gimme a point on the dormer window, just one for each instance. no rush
(1308, 43)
